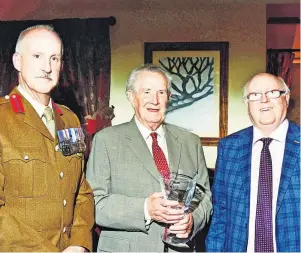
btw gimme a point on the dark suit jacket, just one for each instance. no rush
(122, 174)
(231, 194)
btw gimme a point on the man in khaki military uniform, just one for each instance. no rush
(46, 203)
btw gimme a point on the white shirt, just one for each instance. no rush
(277, 152)
(39, 107)
(145, 132)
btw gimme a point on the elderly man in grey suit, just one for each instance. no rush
(124, 172)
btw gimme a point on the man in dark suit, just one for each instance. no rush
(256, 190)
(123, 172)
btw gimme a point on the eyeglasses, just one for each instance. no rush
(271, 94)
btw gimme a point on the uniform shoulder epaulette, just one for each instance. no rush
(15, 101)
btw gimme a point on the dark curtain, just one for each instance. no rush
(84, 85)
(280, 64)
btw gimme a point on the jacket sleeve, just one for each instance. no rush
(115, 211)
(83, 221)
(16, 235)
(217, 232)
(202, 213)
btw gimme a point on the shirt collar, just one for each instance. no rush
(35, 104)
(279, 134)
(145, 132)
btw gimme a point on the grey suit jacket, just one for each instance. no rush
(122, 174)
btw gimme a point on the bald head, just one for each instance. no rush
(265, 75)
(29, 31)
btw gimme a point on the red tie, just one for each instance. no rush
(159, 157)
(162, 167)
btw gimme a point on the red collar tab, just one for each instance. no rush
(56, 108)
(16, 103)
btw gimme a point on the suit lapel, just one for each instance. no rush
(240, 153)
(174, 149)
(138, 146)
(245, 160)
(291, 154)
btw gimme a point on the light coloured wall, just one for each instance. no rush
(242, 23)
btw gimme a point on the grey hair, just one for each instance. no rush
(278, 78)
(36, 27)
(131, 82)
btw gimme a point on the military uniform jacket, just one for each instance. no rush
(45, 202)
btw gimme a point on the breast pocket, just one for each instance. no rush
(25, 172)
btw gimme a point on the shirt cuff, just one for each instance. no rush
(147, 217)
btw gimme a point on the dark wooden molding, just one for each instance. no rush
(111, 20)
(290, 50)
(210, 141)
(283, 20)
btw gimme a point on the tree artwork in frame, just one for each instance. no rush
(199, 89)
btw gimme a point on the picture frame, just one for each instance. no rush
(199, 72)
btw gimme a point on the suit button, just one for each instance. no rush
(57, 148)
(65, 202)
(64, 229)
(26, 157)
(61, 174)
(7, 97)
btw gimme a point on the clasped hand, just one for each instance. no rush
(162, 210)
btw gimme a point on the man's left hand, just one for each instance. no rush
(74, 249)
(183, 227)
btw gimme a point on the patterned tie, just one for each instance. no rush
(48, 115)
(263, 222)
(159, 157)
(163, 169)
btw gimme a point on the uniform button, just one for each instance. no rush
(64, 229)
(61, 174)
(26, 157)
(13, 96)
(7, 97)
(57, 148)
(65, 202)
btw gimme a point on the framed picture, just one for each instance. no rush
(199, 88)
